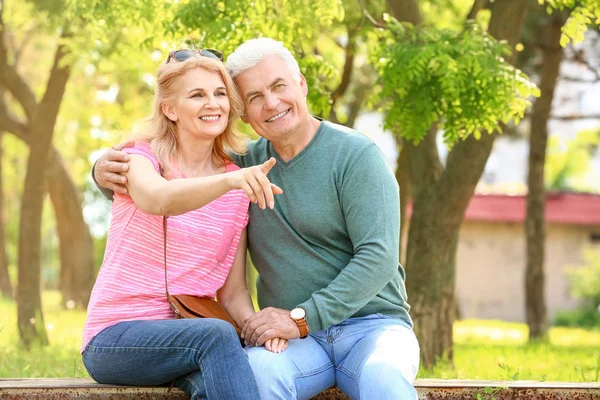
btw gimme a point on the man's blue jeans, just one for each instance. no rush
(372, 357)
(202, 356)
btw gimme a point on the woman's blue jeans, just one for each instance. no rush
(202, 356)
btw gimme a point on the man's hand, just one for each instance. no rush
(267, 324)
(109, 168)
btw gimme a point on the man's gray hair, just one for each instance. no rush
(254, 51)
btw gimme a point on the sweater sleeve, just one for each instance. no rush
(369, 199)
(109, 194)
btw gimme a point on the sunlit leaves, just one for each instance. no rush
(583, 13)
(458, 79)
(225, 24)
(568, 166)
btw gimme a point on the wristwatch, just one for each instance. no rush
(298, 315)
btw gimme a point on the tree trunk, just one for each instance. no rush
(535, 224)
(29, 306)
(406, 195)
(5, 285)
(76, 243)
(346, 74)
(440, 200)
(29, 303)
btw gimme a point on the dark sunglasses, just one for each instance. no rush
(184, 54)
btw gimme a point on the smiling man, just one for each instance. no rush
(327, 253)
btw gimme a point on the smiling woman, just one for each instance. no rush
(180, 168)
(200, 109)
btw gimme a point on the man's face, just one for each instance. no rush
(275, 103)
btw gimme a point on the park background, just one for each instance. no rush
(487, 110)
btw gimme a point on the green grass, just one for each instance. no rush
(499, 350)
(483, 350)
(60, 359)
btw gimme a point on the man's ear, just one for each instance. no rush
(303, 85)
(244, 118)
(168, 110)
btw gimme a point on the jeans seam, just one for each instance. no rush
(191, 382)
(348, 373)
(306, 375)
(86, 368)
(110, 348)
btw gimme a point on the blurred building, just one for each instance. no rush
(490, 273)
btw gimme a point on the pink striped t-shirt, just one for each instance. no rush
(201, 246)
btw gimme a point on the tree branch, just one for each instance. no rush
(47, 113)
(478, 5)
(577, 80)
(348, 67)
(11, 80)
(355, 105)
(370, 17)
(573, 117)
(10, 124)
(579, 58)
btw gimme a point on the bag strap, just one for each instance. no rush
(165, 253)
(160, 171)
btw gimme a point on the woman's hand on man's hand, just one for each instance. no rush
(276, 345)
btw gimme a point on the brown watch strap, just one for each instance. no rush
(302, 327)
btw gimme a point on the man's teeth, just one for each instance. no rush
(210, 118)
(281, 114)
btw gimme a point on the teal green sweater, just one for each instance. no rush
(330, 245)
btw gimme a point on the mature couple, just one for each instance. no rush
(322, 231)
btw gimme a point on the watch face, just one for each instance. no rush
(298, 313)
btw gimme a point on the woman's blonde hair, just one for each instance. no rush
(161, 133)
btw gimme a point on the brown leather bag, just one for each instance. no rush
(187, 306)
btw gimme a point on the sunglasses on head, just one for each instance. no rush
(184, 54)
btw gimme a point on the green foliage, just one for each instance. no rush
(583, 13)
(444, 14)
(584, 283)
(227, 24)
(584, 317)
(568, 166)
(230, 22)
(460, 80)
(489, 393)
(585, 279)
(511, 373)
(119, 28)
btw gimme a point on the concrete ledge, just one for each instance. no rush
(428, 389)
